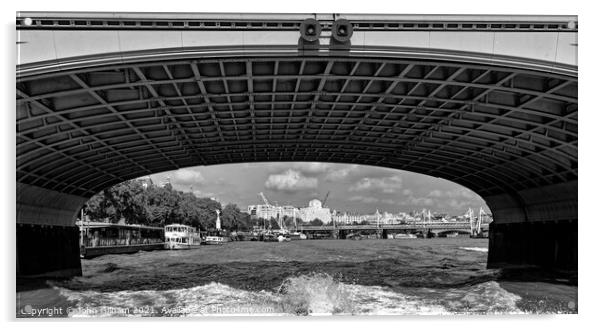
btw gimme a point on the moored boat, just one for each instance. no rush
(297, 236)
(283, 237)
(405, 236)
(215, 240)
(100, 238)
(216, 237)
(179, 237)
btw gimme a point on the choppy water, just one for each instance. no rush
(314, 277)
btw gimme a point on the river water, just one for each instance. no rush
(312, 277)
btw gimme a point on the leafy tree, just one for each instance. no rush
(158, 206)
(289, 222)
(233, 218)
(316, 222)
(273, 223)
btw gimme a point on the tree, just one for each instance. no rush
(273, 223)
(233, 218)
(124, 200)
(316, 222)
(158, 206)
(289, 222)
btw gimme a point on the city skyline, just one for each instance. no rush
(353, 188)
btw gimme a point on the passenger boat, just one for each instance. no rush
(404, 236)
(100, 238)
(216, 237)
(354, 236)
(283, 237)
(179, 237)
(297, 236)
(269, 237)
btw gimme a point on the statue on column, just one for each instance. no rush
(218, 224)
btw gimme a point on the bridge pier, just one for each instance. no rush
(539, 228)
(47, 238)
(545, 244)
(335, 234)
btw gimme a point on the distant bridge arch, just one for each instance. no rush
(93, 114)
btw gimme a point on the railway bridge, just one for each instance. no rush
(488, 102)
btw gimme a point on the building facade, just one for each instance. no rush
(315, 211)
(270, 211)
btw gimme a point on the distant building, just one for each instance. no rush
(165, 182)
(315, 211)
(146, 181)
(385, 218)
(270, 211)
(346, 218)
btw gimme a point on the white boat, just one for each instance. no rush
(404, 236)
(215, 240)
(179, 237)
(297, 236)
(283, 237)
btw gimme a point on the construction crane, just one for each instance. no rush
(264, 199)
(279, 219)
(325, 198)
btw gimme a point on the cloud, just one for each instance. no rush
(364, 199)
(421, 201)
(187, 176)
(462, 193)
(435, 193)
(311, 168)
(372, 200)
(340, 173)
(387, 185)
(290, 181)
(454, 203)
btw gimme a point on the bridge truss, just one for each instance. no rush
(489, 128)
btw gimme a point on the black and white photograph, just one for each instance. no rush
(193, 164)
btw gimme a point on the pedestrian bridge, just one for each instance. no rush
(488, 102)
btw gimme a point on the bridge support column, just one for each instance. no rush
(384, 234)
(335, 234)
(539, 230)
(47, 238)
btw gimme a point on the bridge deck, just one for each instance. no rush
(436, 225)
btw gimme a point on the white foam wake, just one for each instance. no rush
(478, 249)
(312, 294)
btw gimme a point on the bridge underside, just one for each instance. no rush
(509, 134)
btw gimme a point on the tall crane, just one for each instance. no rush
(325, 198)
(279, 219)
(264, 199)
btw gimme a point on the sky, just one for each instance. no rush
(353, 188)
